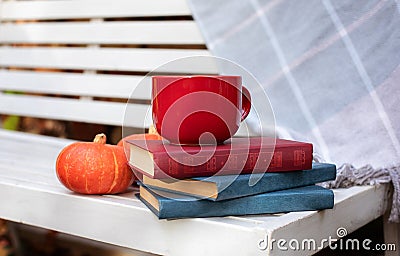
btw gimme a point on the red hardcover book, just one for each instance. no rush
(159, 159)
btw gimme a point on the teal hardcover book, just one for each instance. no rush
(168, 205)
(224, 187)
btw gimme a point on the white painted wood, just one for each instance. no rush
(96, 85)
(20, 138)
(64, 9)
(35, 201)
(101, 112)
(137, 32)
(116, 59)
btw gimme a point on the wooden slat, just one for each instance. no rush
(139, 32)
(8, 171)
(30, 200)
(143, 60)
(97, 85)
(63, 9)
(21, 138)
(111, 113)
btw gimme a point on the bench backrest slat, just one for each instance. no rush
(111, 59)
(92, 85)
(98, 112)
(84, 9)
(124, 32)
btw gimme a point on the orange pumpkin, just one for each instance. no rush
(94, 167)
(142, 136)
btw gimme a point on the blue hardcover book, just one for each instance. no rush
(168, 205)
(224, 187)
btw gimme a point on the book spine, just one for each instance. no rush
(229, 163)
(304, 199)
(274, 181)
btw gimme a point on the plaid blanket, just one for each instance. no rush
(330, 69)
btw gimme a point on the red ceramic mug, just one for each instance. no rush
(202, 109)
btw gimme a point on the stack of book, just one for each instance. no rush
(242, 176)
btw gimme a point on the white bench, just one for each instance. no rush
(85, 51)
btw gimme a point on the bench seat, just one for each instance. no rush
(30, 193)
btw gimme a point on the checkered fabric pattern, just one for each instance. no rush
(329, 67)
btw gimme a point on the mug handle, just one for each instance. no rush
(246, 102)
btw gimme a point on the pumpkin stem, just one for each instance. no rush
(100, 138)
